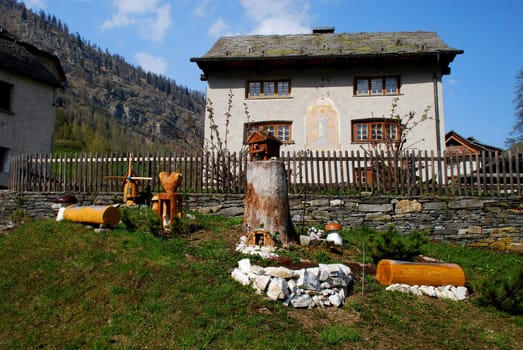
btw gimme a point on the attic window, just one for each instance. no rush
(5, 96)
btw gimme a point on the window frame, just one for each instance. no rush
(263, 87)
(264, 125)
(376, 130)
(368, 88)
(6, 94)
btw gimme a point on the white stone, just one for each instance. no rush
(244, 265)
(317, 300)
(461, 293)
(325, 285)
(240, 277)
(280, 271)
(278, 289)
(302, 301)
(310, 280)
(337, 203)
(258, 270)
(260, 283)
(305, 240)
(428, 290)
(336, 300)
(324, 274)
(293, 288)
(414, 290)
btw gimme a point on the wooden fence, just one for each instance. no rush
(308, 172)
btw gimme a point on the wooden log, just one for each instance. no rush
(266, 200)
(94, 214)
(413, 273)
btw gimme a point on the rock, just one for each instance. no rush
(322, 286)
(461, 293)
(278, 289)
(308, 280)
(336, 300)
(302, 301)
(260, 282)
(240, 277)
(280, 271)
(244, 266)
(405, 206)
(305, 240)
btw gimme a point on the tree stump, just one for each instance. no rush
(267, 201)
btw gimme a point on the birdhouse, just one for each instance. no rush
(263, 146)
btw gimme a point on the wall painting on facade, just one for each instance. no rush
(322, 125)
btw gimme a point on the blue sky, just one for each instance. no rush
(162, 35)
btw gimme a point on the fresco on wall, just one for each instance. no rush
(322, 125)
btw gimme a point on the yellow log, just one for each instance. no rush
(94, 214)
(412, 273)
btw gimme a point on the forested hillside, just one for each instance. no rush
(109, 105)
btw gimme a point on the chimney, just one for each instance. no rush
(323, 30)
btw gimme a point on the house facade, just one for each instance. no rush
(326, 91)
(29, 79)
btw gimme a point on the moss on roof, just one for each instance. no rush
(327, 44)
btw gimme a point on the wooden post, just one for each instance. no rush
(267, 201)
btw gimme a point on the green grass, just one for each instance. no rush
(64, 286)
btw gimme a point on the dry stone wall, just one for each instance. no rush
(449, 219)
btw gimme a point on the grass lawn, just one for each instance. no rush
(64, 286)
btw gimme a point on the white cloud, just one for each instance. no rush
(218, 28)
(202, 9)
(278, 16)
(39, 4)
(151, 63)
(152, 18)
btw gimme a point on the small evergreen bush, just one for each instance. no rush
(390, 244)
(504, 292)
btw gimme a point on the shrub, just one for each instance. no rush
(391, 244)
(504, 292)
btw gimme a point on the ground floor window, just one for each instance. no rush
(363, 176)
(4, 160)
(282, 130)
(5, 96)
(375, 130)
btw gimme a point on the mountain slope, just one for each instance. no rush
(109, 104)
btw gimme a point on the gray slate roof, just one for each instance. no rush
(328, 44)
(27, 60)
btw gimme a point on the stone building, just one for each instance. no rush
(327, 91)
(29, 79)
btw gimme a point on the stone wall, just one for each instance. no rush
(449, 219)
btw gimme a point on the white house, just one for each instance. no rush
(326, 91)
(29, 78)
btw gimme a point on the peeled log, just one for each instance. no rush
(266, 199)
(94, 214)
(413, 273)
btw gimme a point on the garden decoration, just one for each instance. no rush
(266, 198)
(169, 202)
(130, 184)
(414, 273)
(93, 214)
